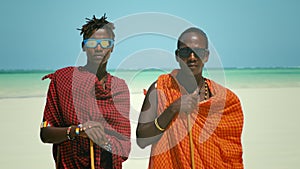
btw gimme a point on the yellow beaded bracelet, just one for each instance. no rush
(77, 131)
(157, 125)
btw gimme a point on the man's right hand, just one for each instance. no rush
(187, 103)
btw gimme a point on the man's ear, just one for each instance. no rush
(206, 57)
(82, 46)
(176, 55)
(112, 49)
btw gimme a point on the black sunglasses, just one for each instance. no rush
(186, 52)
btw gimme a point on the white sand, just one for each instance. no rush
(271, 131)
(270, 138)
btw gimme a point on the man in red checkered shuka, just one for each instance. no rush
(86, 116)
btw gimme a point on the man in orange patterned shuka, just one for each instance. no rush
(191, 121)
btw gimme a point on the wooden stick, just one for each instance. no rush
(191, 141)
(92, 154)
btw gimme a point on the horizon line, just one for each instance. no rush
(150, 69)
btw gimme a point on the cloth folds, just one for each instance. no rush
(75, 97)
(216, 129)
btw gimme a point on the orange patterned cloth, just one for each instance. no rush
(216, 129)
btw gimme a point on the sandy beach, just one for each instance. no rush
(270, 137)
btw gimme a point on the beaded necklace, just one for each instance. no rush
(206, 90)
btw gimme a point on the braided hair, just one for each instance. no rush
(92, 25)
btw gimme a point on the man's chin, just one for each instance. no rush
(99, 61)
(193, 70)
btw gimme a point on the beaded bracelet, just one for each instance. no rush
(80, 127)
(68, 133)
(107, 146)
(157, 125)
(77, 131)
(45, 124)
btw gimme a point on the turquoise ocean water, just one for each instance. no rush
(24, 84)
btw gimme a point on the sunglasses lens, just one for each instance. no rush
(184, 52)
(106, 43)
(199, 52)
(90, 43)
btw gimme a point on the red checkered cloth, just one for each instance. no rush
(216, 129)
(76, 96)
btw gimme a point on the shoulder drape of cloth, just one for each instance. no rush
(216, 129)
(76, 96)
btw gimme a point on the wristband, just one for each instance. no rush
(158, 126)
(80, 127)
(68, 133)
(45, 124)
(107, 146)
(77, 131)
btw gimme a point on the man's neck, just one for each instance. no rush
(98, 70)
(189, 81)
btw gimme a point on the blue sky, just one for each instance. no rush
(42, 34)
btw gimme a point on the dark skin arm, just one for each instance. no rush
(147, 133)
(56, 135)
